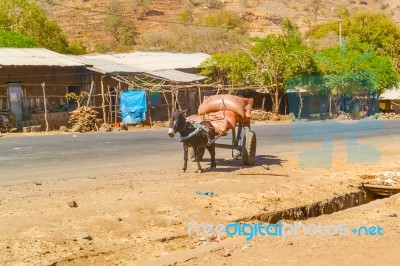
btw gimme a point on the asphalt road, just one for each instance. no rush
(40, 157)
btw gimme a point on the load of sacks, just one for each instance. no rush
(224, 111)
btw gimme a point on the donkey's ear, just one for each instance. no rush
(183, 111)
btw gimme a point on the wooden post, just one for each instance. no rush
(166, 100)
(173, 99)
(177, 99)
(109, 105)
(66, 93)
(45, 106)
(103, 101)
(116, 102)
(148, 107)
(25, 102)
(90, 93)
(199, 95)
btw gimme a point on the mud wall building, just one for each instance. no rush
(25, 72)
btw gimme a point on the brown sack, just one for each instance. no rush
(221, 102)
(222, 121)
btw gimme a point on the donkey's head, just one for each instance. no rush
(177, 122)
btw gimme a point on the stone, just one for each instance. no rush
(76, 128)
(105, 128)
(72, 204)
(262, 208)
(86, 236)
(275, 118)
(63, 129)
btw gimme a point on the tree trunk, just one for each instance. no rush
(277, 102)
(300, 105)
(263, 102)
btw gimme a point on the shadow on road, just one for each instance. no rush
(230, 165)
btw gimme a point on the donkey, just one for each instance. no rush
(193, 134)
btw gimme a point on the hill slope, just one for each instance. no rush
(84, 20)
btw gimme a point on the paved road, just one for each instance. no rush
(32, 158)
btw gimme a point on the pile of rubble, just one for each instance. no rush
(260, 115)
(389, 116)
(344, 117)
(385, 179)
(7, 122)
(83, 119)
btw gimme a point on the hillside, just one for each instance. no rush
(84, 20)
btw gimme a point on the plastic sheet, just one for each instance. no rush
(133, 106)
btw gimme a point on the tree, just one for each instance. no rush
(122, 31)
(233, 68)
(226, 19)
(279, 58)
(140, 7)
(353, 70)
(186, 17)
(316, 6)
(14, 39)
(270, 63)
(26, 18)
(381, 34)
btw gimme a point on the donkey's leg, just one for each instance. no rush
(196, 155)
(185, 157)
(211, 150)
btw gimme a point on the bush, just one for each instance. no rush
(192, 38)
(227, 19)
(14, 39)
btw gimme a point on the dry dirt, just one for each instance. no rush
(142, 218)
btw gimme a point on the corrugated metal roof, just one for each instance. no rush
(176, 75)
(137, 62)
(36, 57)
(393, 94)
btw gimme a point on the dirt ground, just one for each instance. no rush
(142, 218)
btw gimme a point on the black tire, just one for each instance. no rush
(201, 154)
(249, 145)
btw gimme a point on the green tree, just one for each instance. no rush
(353, 70)
(377, 30)
(14, 39)
(270, 63)
(26, 18)
(122, 31)
(233, 68)
(186, 16)
(230, 20)
(280, 58)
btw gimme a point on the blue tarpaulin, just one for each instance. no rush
(133, 107)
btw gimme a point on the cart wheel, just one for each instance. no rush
(249, 148)
(201, 154)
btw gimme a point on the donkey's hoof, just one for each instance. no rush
(199, 171)
(183, 170)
